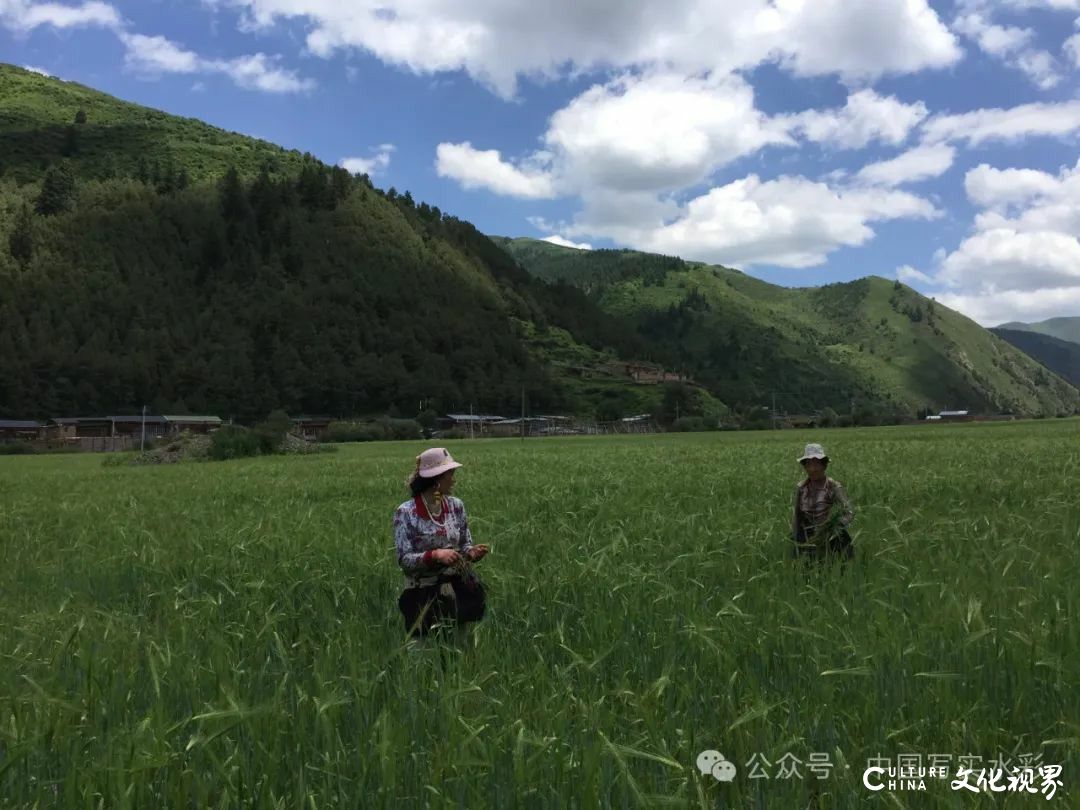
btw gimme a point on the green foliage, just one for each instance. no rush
(354, 432)
(1059, 356)
(21, 240)
(748, 342)
(233, 628)
(693, 424)
(16, 448)
(401, 428)
(115, 136)
(235, 441)
(57, 191)
(271, 432)
(285, 283)
(384, 429)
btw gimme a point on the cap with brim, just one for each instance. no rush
(434, 462)
(813, 451)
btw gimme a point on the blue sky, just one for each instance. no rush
(803, 141)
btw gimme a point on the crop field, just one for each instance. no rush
(227, 634)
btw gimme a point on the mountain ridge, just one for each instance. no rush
(1065, 328)
(212, 272)
(868, 339)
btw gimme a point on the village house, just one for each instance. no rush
(311, 428)
(19, 430)
(193, 424)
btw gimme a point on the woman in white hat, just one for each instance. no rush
(435, 549)
(822, 510)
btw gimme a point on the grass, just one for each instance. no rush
(117, 134)
(227, 635)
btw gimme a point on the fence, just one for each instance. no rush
(104, 444)
(564, 426)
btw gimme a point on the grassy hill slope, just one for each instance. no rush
(840, 345)
(1060, 356)
(37, 125)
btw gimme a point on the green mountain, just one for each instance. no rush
(38, 126)
(152, 260)
(845, 346)
(1060, 328)
(1060, 356)
(232, 277)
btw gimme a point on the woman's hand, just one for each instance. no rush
(445, 556)
(477, 552)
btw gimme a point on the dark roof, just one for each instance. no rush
(309, 418)
(76, 420)
(193, 420)
(127, 420)
(18, 424)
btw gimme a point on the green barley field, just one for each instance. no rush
(227, 635)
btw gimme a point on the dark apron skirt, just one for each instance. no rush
(425, 607)
(837, 546)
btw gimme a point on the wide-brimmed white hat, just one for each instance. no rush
(434, 462)
(813, 451)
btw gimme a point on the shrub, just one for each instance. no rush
(233, 441)
(271, 433)
(402, 428)
(692, 424)
(353, 432)
(17, 449)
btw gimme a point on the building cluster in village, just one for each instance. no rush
(126, 432)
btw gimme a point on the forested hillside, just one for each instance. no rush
(152, 260)
(867, 346)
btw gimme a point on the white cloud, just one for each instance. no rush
(1023, 258)
(261, 72)
(920, 163)
(1010, 44)
(657, 132)
(864, 40)
(37, 70)
(372, 165)
(1013, 124)
(1005, 259)
(997, 40)
(866, 117)
(991, 309)
(496, 42)
(555, 239)
(155, 55)
(1021, 5)
(1040, 67)
(24, 16)
(999, 188)
(790, 221)
(474, 168)
(909, 275)
(1071, 47)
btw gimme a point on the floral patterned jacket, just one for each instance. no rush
(415, 533)
(814, 505)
